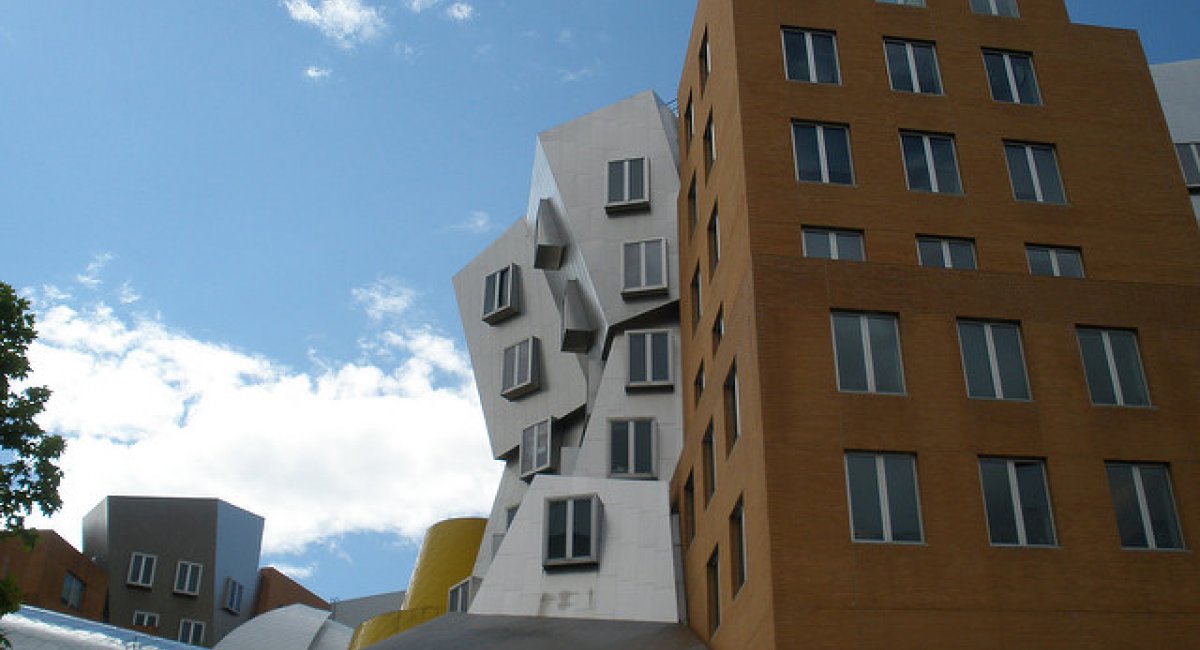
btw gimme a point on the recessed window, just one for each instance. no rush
(710, 144)
(631, 448)
(912, 67)
(705, 61)
(145, 619)
(1033, 169)
(883, 497)
(733, 409)
(187, 578)
(628, 183)
(234, 592)
(645, 267)
(822, 153)
(458, 599)
(689, 506)
(1010, 74)
(1017, 502)
(141, 569)
(718, 328)
(689, 121)
(810, 56)
(907, 3)
(993, 362)
(191, 631)
(520, 369)
(698, 385)
(1055, 261)
(693, 213)
(1144, 505)
(1113, 367)
(831, 244)
(650, 358)
(930, 163)
(708, 450)
(1006, 8)
(714, 241)
(72, 591)
(694, 288)
(499, 297)
(946, 253)
(867, 347)
(535, 448)
(737, 545)
(712, 572)
(1189, 160)
(572, 530)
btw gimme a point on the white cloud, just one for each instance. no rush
(347, 22)
(90, 277)
(417, 6)
(406, 51)
(339, 448)
(479, 222)
(570, 76)
(126, 295)
(460, 11)
(315, 73)
(295, 572)
(384, 298)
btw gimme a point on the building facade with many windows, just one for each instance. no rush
(1178, 86)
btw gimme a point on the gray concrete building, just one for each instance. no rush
(183, 569)
(1179, 91)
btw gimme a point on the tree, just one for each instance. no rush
(29, 475)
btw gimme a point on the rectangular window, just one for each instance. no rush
(913, 67)
(72, 591)
(693, 213)
(1144, 505)
(1113, 367)
(535, 448)
(689, 506)
(946, 253)
(145, 619)
(699, 383)
(689, 122)
(930, 163)
(631, 448)
(1011, 77)
(718, 328)
(1055, 261)
(234, 592)
(1006, 8)
(822, 153)
(458, 599)
(1189, 160)
(705, 61)
(993, 362)
(628, 183)
(1017, 502)
(694, 288)
(714, 241)
(733, 409)
(520, 369)
(867, 347)
(737, 545)
(710, 145)
(810, 56)
(713, 576)
(884, 506)
(572, 530)
(645, 267)
(707, 448)
(187, 578)
(191, 632)
(141, 569)
(830, 244)
(650, 358)
(499, 298)
(1033, 169)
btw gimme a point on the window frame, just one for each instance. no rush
(695, 289)
(930, 160)
(1192, 151)
(810, 55)
(737, 543)
(536, 433)
(630, 434)
(1143, 508)
(994, 8)
(718, 328)
(689, 506)
(712, 572)
(192, 574)
(1031, 168)
(708, 452)
(993, 360)
(512, 388)
(731, 406)
(648, 335)
(705, 56)
(644, 288)
(713, 231)
(910, 59)
(868, 353)
(458, 597)
(823, 152)
(1114, 375)
(710, 144)
(149, 619)
(944, 244)
(73, 589)
(139, 560)
(193, 626)
(1014, 88)
(594, 534)
(832, 235)
(627, 201)
(234, 596)
(1055, 264)
(885, 498)
(698, 384)
(1016, 504)
(505, 278)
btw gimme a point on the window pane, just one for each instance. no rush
(930, 252)
(837, 155)
(1095, 367)
(816, 244)
(1125, 504)
(1129, 368)
(897, 59)
(654, 263)
(1047, 169)
(962, 255)
(556, 526)
(902, 498)
(542, 438)
(825, 54)
(885, 354)
(915, 164)
(581, 531)
(489, 294)
(927, 72)
(1161, 505)
(1022, 67)
(616, 181)
(997, 499)
(661, 359)
(808, 159)
(945, 165)
(1035, 504)
(851, 360)
(643, 447)
(1070, 264)
(1187, 159)
(997, 75)
(981, 6)
(976, 360)
(1007, 339)
(1007, 8)
(637, 179)
(796, 52)
(523, 362)
(633, 266)
(1018, 170)
(850, 246)
(619, 450)
(510, 364)
(637, 357)
(1039, 261)
(527, 449)
(866, 512)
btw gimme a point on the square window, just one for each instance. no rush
(1144, 505)
(234, 591)
(458, 599)
(884, 506)
(520, 369)
(831, 244)
(628, 184)
(536, 448)
(645, 267)
(1017, 502)
(1033, 169)
(1113, 367)
(145, 619)
(707, 449)
(650, 358)
(930, 163)
(1054, 261)
(913, 67)
(191, 632)
(737, 544)
(1006, 8)
(993, 362)
(822, 153)
(714, 241)
(187, 578)
(867, 350)
(946, 253)
(733, 409)
(631, 448)
(1011, 77)
(72, 591)
(810, 56)
(499, 295)
(1189, 161)
(141, 570)
(572, 530)
(712, 572)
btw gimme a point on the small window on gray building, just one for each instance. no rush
(234, 592)
(650, 358)
(187, 578)
(191, 631)
(1189, 160)
(459, 597)
(141, 569)
(644, 266)
(520, 369)
(628, 183)
(572, 530)
(631, 448)
(500, 294)
(145, 619)
(535, 448)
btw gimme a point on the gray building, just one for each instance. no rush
(184, 569)
(1179, 91)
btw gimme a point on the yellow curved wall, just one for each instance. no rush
(446, 558)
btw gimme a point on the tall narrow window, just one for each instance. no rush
(1017, 502)
(499, 294)
(993, 362)
(234, 593)
(710, 145)
(810, 56)
(867, 347)
(718, 328)
(187, 578)
(697, 308)
(831, 244)
(712, 571)
(1113, 367)
(572, 530)
(884, 506)
(698, 391)
(733, 409)
(714, 241)
(930, 164)
(737, 545)
(141, 569)
(1010, 74)
(693, 214)
(705, 61)
(1055, 261)
(649, 358)
(458, 598)
(628, 183)
(822, 153)
(689, 122)
(1145, 506)
(535, 448)
(1006, 8)
(72, 591)
(191, 632)
(913, 67)
(520, 369)
(689, 506)
(946, 253)
(1033, 169)
(645, 267)
(631, 448)
(710, 464)
(1189, 160)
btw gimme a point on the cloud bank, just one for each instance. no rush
(346, 22)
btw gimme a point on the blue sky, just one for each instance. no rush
(239, 219)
